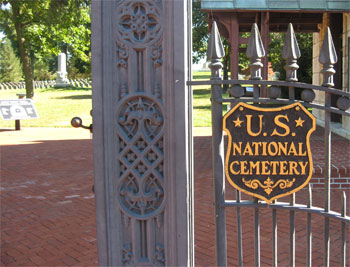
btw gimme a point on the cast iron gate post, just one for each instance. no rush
(215, 53)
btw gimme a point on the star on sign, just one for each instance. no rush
(299, 122)
(238, 122)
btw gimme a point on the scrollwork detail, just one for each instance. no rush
(156, 55)
(128, 257)
(268, 185)
(141, 115)
(159, 255)
(141, 201)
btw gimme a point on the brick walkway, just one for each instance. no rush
(48, 216)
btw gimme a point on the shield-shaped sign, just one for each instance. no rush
(268, 152)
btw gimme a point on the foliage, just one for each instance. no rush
(42, 71)
(78, 69)
(275, 53)
(43, 28)
(10, 66)
(200, 37)
(200, 32)
(305, 61)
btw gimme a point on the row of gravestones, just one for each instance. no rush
(44, 84)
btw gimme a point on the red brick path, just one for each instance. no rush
(48, 215)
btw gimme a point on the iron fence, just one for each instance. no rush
(291, 53)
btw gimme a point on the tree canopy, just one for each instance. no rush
(10, 67)
(200, 32)
(46, 27)
(200, 35)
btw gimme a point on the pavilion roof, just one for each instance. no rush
(277, 5)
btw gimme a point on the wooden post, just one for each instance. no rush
(234, 41)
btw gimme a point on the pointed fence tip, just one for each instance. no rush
(255, 47)
(215, 48)
(255, 51)
(328, 54)
(291, 49)
(290, 54)
(328, 57)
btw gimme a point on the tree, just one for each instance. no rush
(200, 32)
(305, 61)
(10, 66)
(46, 27)
(200, 35)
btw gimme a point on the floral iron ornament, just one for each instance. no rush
(269, 185)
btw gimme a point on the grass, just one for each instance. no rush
(201, 101)
(56, 107)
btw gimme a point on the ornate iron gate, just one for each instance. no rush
(255, 52)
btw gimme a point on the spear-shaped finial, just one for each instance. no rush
(255, 51)
(328, 57)
(290, 54)
(215, 51)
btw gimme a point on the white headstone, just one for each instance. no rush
(61, 79)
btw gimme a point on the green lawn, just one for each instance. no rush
(201, 101)
(56, 107)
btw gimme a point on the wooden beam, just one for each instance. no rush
(234, 41)
(265, 37)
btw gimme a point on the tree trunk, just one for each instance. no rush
(23, 50)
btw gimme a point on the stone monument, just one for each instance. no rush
(61, 79)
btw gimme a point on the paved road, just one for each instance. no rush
(48, 212)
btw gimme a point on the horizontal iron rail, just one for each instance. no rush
(282, 101)
(276, 83)
(287, 206)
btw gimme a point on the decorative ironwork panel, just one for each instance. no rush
(140, 128)
(141, 136)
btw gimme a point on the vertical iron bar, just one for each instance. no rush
(257, 234)
(343, 252)
(348, 64)
(256, 92)
(292, 232)
(218, 174)
(327, 173)
(291, 92)
(274, 237)
(309, 230)
(215, 53)
(239, 230)
(17, 125)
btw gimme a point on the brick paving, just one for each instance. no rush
(48, 213)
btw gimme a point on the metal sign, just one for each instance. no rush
(268, 152)
(18, 109)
